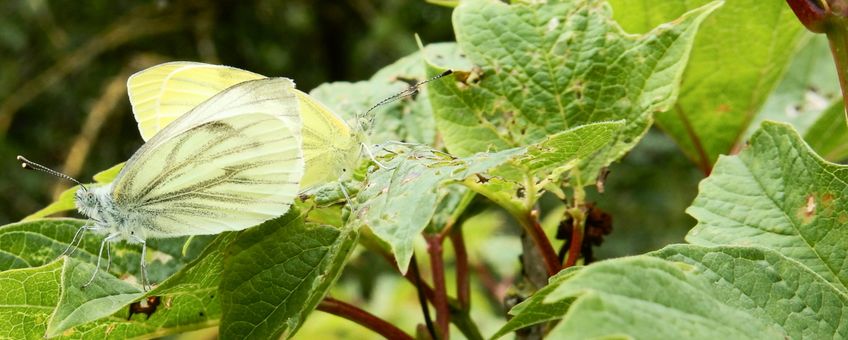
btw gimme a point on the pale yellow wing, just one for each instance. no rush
(164, 92)
(222, 172)
(330, 147)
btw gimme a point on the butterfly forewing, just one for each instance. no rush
(227, 174)
(162, 93)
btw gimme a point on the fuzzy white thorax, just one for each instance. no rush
(109, 217)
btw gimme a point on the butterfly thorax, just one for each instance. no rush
(108, 216)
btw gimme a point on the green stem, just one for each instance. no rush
(837, 34)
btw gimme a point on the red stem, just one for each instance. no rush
(576, 243)
(549, 255)
(368, 320)
(463, 286)
(434, 247)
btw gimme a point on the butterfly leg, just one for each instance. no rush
(78, 235)
(108, 256)
(373, 159)
(143, 265)
(100, 256)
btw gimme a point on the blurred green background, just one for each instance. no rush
(64, 64)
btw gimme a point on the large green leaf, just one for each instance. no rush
(771, 287)
(545, 67)
(808, 88)
(644, 297)
(37, 243)
(777, 194)
(740, 53)
(406, 120)
(188, 301)
(27, 299)
(399, 200)
(698, 292)
(534, 310)
(79, 305)
(276, 273)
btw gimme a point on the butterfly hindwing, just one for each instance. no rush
(162, 93)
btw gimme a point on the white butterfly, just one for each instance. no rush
(230, 163)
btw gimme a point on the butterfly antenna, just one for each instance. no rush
(30, 165)
(409, 91)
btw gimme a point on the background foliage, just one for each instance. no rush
(63, 103)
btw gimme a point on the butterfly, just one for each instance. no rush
(331, 147)
(161, 94)
(230, 163)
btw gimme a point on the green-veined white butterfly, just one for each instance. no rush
(331, 147)
(230, 163)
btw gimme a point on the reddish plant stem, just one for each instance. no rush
(415, 274)
(367, 320)
(574, 247)
(463, 286)
(534, 229)
(437, 265)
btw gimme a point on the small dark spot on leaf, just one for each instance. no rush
(145, 306)
(481, 179)
(520, 192)
(202, 314)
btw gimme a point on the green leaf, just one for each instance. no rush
(66, 202)
(750, 42)
(189, 300)
(32, 244)
(276, 273)
(645, 297)
(399, 201)
(808, 88)
(534, 310)
(405, 120)
(105, 296)
(27, 298)
(545, 67)
(698, 292)
(37, 242)
(769, 286)
(780, 195)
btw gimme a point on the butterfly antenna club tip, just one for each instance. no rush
(30, 165)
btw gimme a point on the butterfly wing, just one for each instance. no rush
(212, 172)
(329, 145)
(162, 93)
